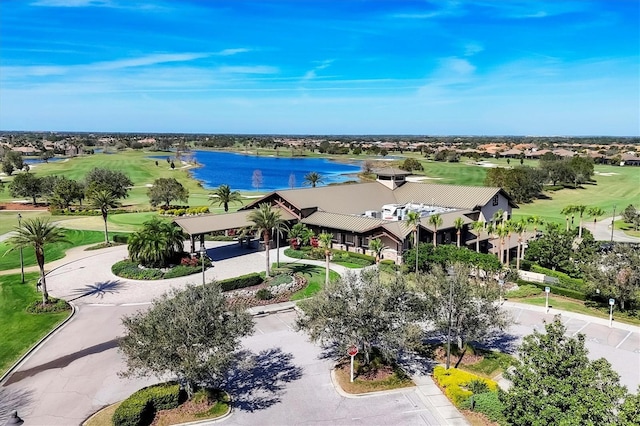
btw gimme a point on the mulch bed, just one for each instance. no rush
(440, 355)
(185, 412)
(23, 206)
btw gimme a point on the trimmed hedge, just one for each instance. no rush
(122, 239)
(242, 281)
(454, 382)
(573, 294)
(128, 269)
(565, 280)
(140, 408)
(525, 291)
(488, 404)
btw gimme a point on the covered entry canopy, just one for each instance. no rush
(200, 225)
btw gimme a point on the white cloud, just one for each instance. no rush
(148, 60)
(229, 52)
(472, 48)
(71, 3)
(256, 69)
(312, 74)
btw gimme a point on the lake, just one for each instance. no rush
(237, 170)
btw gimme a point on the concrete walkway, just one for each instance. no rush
(602, 231)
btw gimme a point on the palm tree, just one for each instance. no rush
(103, 200)
(568, 210)
(156, 243)
(413, 220)
(301, 233)
(279, 230)
(595, 212)
(313, 178)
(458, 223)
(519, 227)
(436, 221)
(265, 219)
(326, 239)
(536, 221)
(478, 227)
(37, 232)
(580, 209)
(225, 196)
(509, 226)
(498, 217)
(502, 230)
(377, 248)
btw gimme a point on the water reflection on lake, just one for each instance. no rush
(237, 170)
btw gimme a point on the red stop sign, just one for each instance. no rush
(352, 351)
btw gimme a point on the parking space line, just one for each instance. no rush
(625, 338)
(581, 328)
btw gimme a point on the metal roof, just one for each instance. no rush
(345, 222)
(458, 196)
(195, 225)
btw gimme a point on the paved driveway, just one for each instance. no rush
(283, 379)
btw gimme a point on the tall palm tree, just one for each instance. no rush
(567, 211)
(103, 200)
(37, 232)
(279, 231)
(225, 196)
(458, 223)
(519, 227)
(413, 220)
(536, 222)
(313, 179)
(326, 239)
(265, 219)
(580, 209)
(502, 230)
(498, 216)
(436, 221)
(478, 227)
(595, 212)
(509, 226)
(377, 248)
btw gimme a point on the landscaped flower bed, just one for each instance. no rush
(133, 271)
(267, 293)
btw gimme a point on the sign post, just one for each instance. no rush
(611, 303)
(352, 351)
(547, 290)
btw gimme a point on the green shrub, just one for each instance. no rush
(264, 294)
(525, 291)
(295, 254)
(181, 271)
(573, 294)
(488, 404)
(361, 256)
(122, 239)
(564, 280)
(140, 408)
(243, 281)
(129, 269)
(283, 278)
(54, 305)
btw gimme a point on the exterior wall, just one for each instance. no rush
(487, 212)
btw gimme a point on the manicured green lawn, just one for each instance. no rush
(315, 278)
(20, 330)
(11, 260)
(9, 218)
(577, 306)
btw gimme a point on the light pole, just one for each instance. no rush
(449, 330)
(613, 221)
(611, 303)
(21, 258)
(203, 253)
(547, 290)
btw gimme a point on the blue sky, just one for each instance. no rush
(485, 67)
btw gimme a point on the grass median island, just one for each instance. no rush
(76, 237)
(374, 377)
(314, 275)
(19, 329)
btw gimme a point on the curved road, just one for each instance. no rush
(284, 379)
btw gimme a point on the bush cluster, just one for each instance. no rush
(181, 271)
(456, 383)
(264, 294)
(573, 294)
(242, 281)
(355, 258)
(488, 404)
(189, 211)
(129, 269)
(54, 305)
(122, 239)
(564, 280)
(140, 408)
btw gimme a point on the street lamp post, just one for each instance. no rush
(203, 253)
(611, 303)
(21, 258)
(613, 221)
(547, 290)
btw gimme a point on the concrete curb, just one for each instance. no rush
(341, 392)
(37, 345)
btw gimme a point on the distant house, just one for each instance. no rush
(357, 213)
(26, 150)
(630, 160)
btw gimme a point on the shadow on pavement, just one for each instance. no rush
(97, 289)
(12, 400)
(230, 251)
(61, 362)
(257, 381)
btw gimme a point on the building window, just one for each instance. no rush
(495, 200)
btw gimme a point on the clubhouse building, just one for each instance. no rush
(357, 213)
